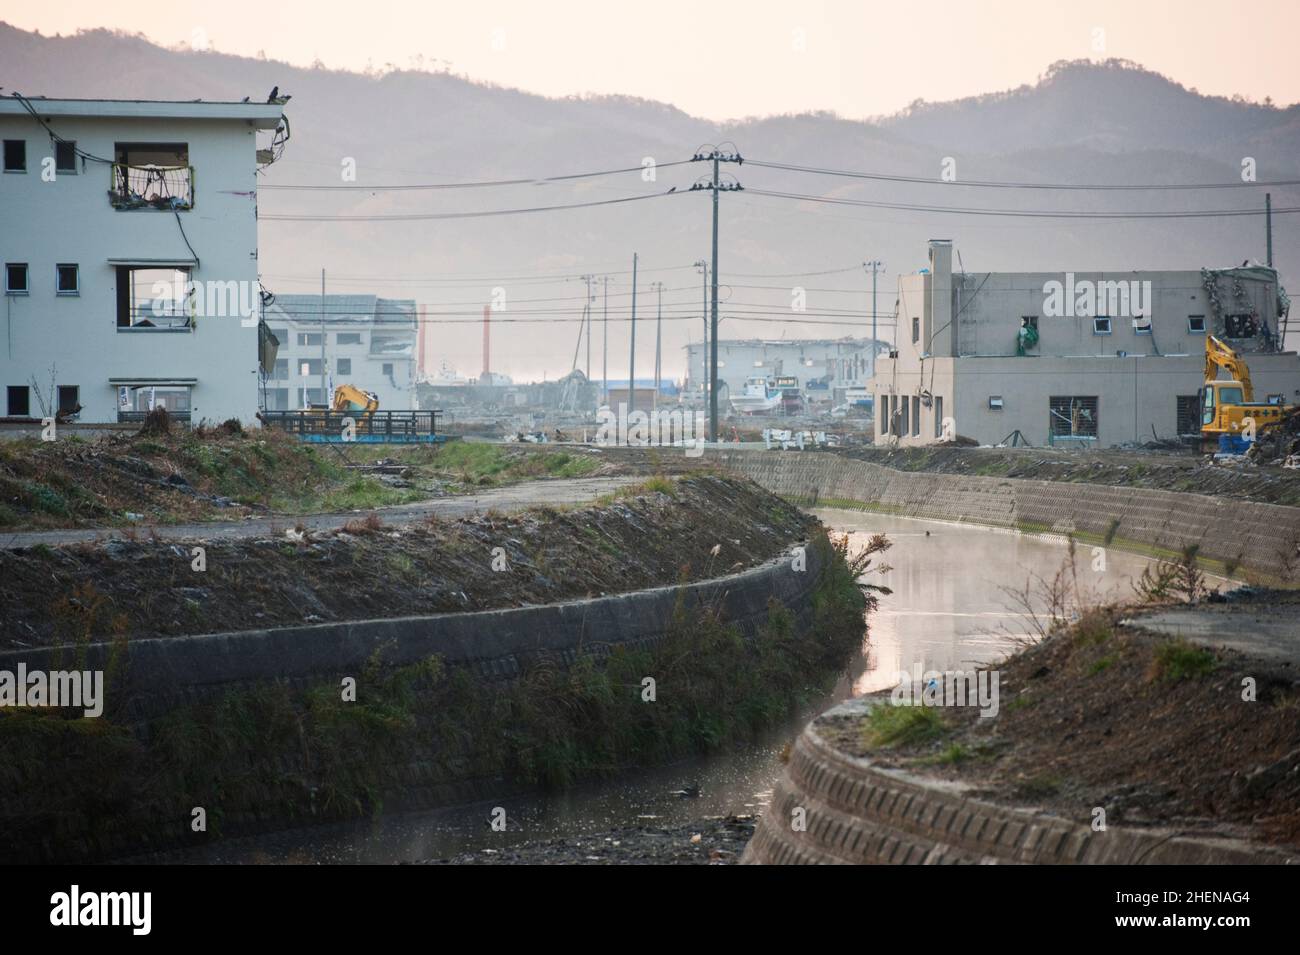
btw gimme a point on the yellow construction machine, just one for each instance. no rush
(1230, 415)
(352, 398)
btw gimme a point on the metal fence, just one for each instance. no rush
(378, 427)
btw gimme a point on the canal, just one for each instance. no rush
(953, 604)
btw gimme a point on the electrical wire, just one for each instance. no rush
(534, 180)
(995, 184)
(428, 216)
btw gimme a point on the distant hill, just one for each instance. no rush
(1081, 122)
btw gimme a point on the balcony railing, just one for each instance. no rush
(152, 187)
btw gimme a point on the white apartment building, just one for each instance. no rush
(369, 342)
(128, 239)
(1113, 358)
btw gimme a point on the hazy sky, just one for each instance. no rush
(731, 59)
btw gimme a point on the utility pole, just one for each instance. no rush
(874, 265)
(631, 361)
(326, 400)
(604, 338)
(1268, 225)
(659, 327)
(704, 312)
(586, 311)
(717, 155)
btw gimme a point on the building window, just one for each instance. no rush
(19, 401)
(995, 402)
(1188, 419)
(1029, 321)
(15, 155)
(152, 298)
(1101, 326)
(309, 338)
(916, 416)
(277, 399)
(16, 278)
(938, 416)
(348, 338)
(916, 328)
(1072, 416)
(152, 176)
(902, 426)
(1196, 324)
(1239, 326)
(882, 422)
(309, 367)
(281, 370)
(66, 279)
(65, 156)
(69, 399)
(388, 369)
(139, 400)
(345, 366)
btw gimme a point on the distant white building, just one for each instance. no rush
(369, 342)
(128, 237)
(825, 368)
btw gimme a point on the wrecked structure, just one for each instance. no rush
(825, 370)
(1072, 359)
(368, 341)
(130, 256)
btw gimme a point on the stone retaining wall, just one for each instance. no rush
(857, 813)
(1263, 539)
(495, 645)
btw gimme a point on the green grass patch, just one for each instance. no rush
(1179, 660)
(889, 725)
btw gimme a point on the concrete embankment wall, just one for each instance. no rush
(494, 645)
(1263, 539)
(856, 813)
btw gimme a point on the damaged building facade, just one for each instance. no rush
(369, 342)
(1071, 359)
(129, 247)
(825, 368)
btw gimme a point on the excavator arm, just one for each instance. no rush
(352, 398)
(1219, 355)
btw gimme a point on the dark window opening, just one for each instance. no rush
(19, 397)
(65, 157)
(69, 399)
(349, 338)
(1189, 415)
(938, 416)
(1072, 416)
(66, 279)
(345, 366)
(310, 338)
(1239, 326)
(152, 176)
(1196, 324)
(916, 328)
(15, 155)
(1030, 321)
(1101, 326)
(916, 415)
(16, 278)
(388, 369)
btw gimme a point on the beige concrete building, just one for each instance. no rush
(1090, 359)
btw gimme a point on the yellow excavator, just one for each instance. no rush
(352, 398)
(1230, 415)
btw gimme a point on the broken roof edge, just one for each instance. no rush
(262, 115)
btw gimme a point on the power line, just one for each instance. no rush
(995, 184)
(427, 216)
(1023, 213)
(478, 184)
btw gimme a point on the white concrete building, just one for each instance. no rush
(108, 208)
(1115, 358)
(369, 342)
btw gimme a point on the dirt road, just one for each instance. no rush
(515, 497)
